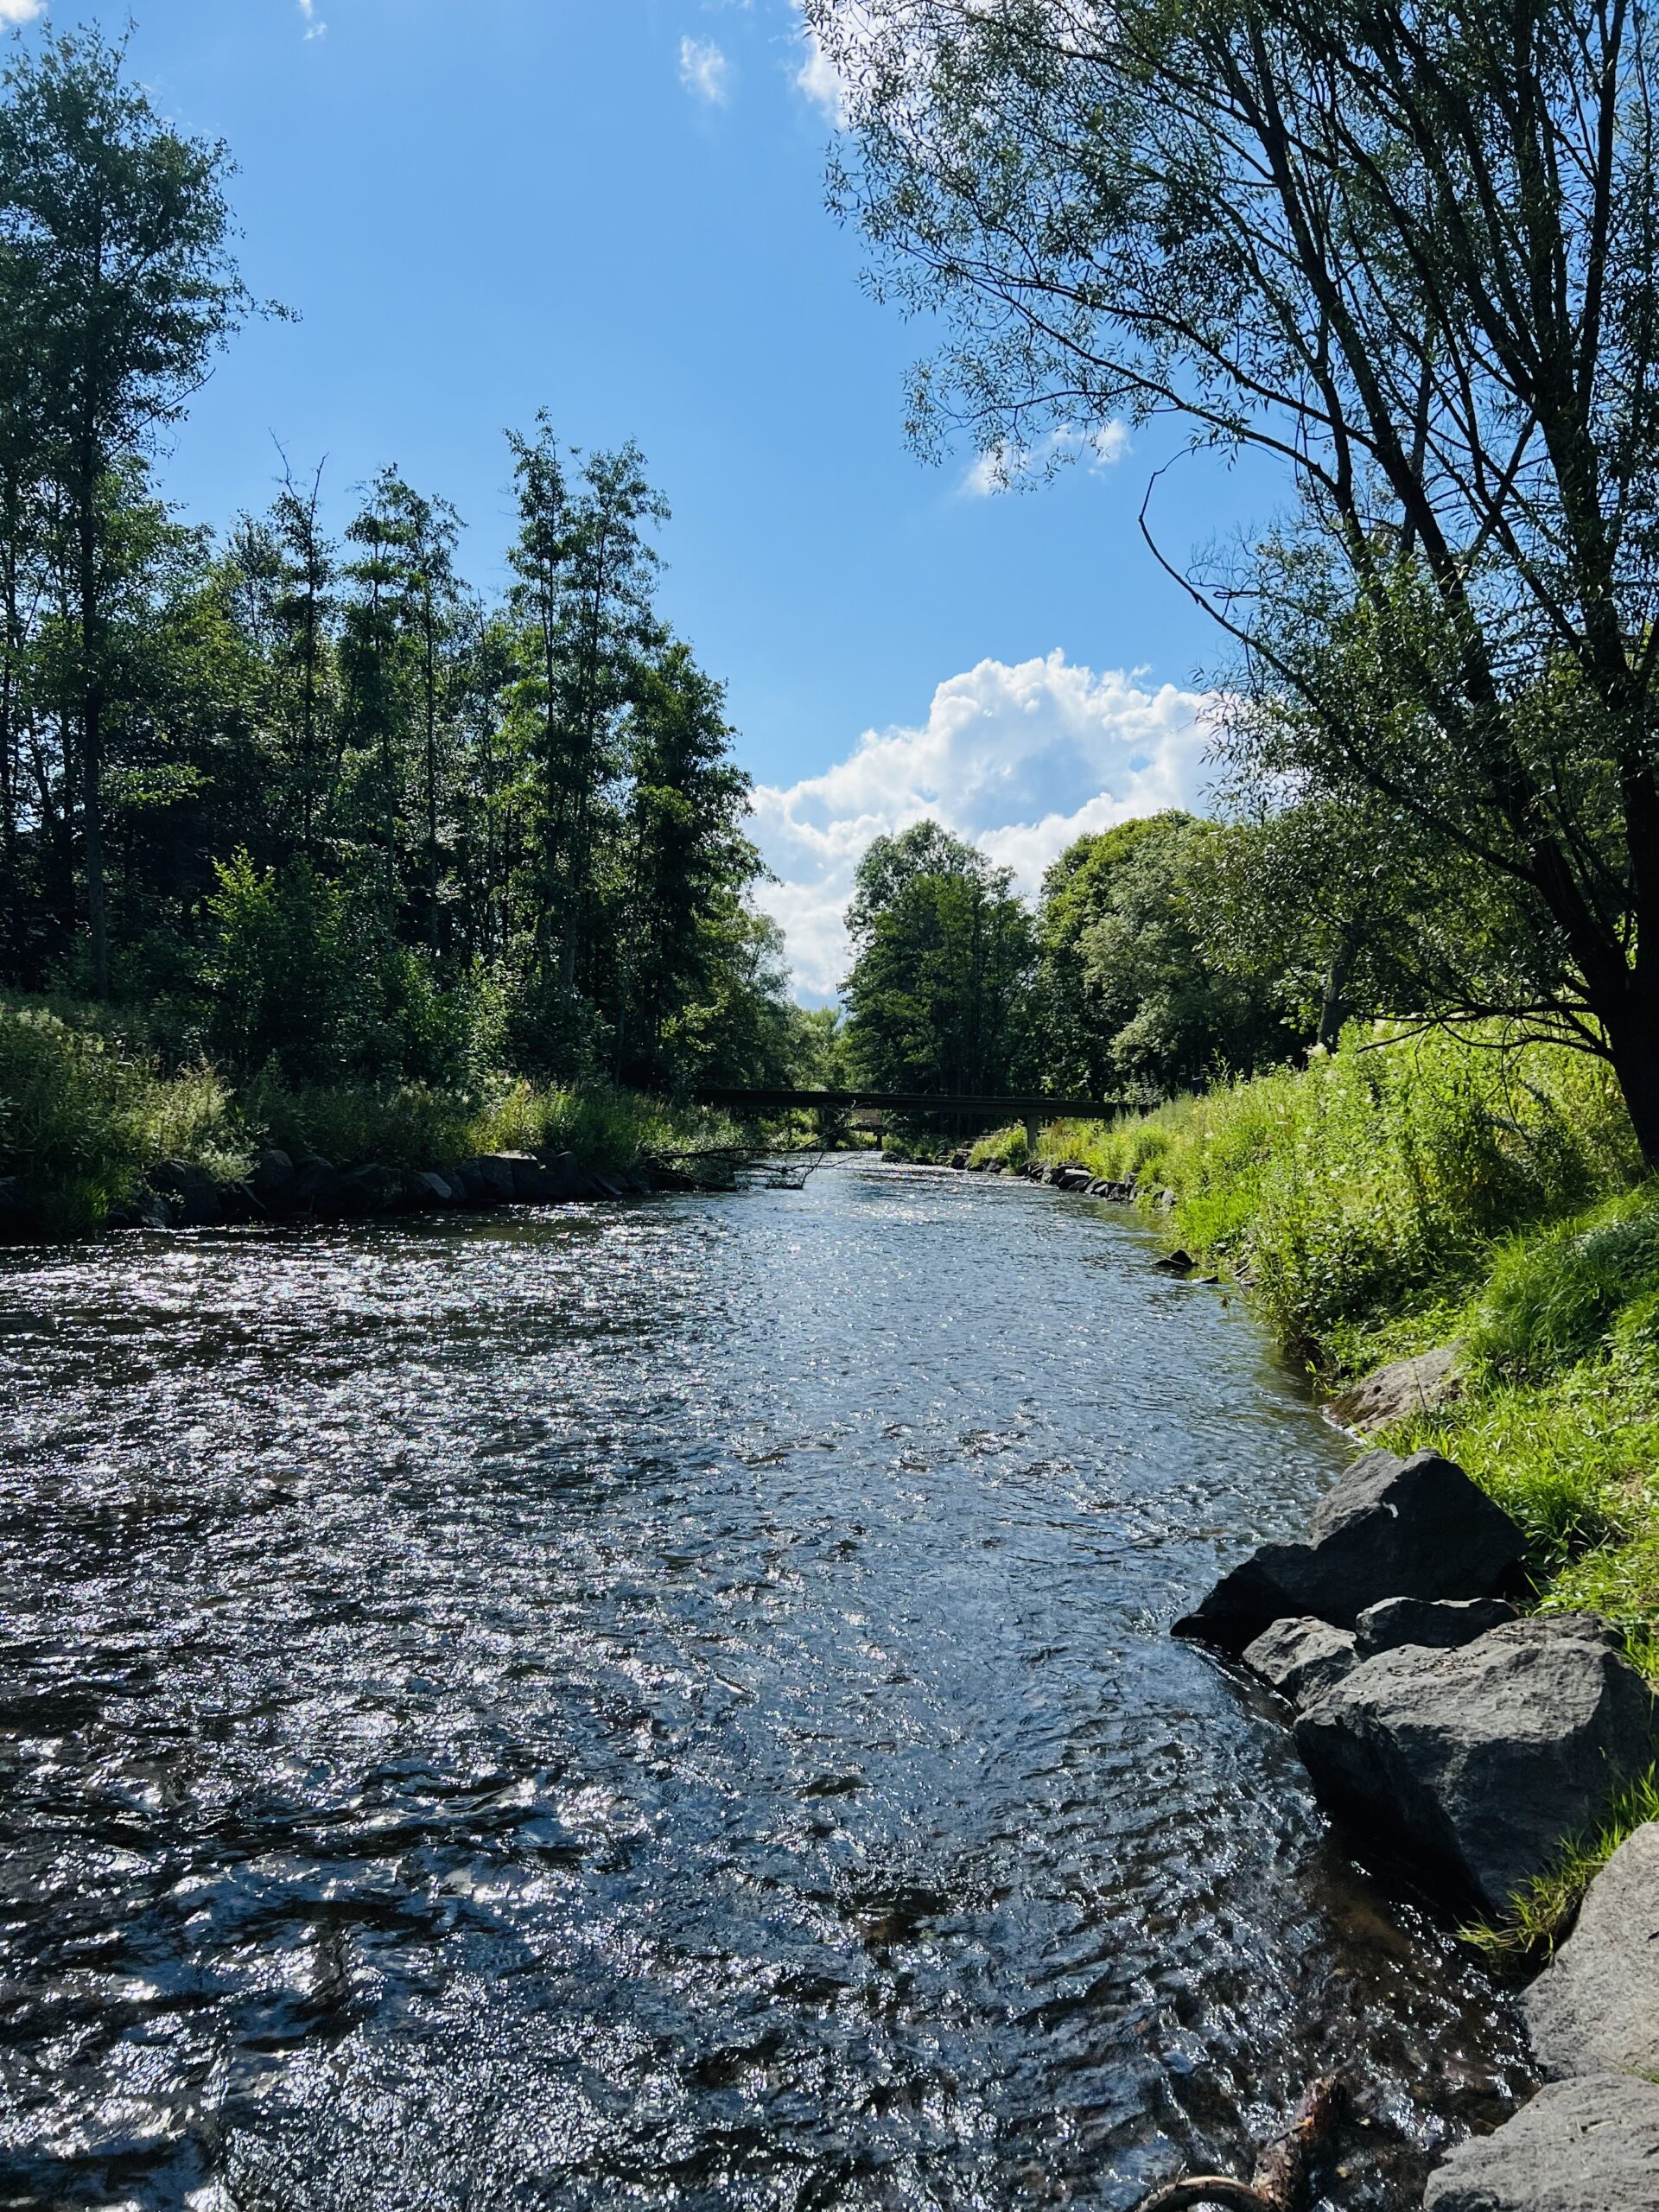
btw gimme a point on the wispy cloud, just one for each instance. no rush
(1020, 759)
(21, 11)
(314, 27)
(1005, 466)
(705, 71)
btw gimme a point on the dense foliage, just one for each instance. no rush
(317, 805)
(1409, 253)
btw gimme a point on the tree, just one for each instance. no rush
(586, 574)
(113, 252)
(686, 854)
(1409, 253)
(937, 998)
(1168, 1018)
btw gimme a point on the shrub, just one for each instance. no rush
(82, 1120)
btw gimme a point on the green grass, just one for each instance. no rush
(1542, 1913)
(1406, 1192)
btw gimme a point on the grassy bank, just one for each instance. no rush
(87, 1113)
(1410, 1193)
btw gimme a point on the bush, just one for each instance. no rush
(82, 1120)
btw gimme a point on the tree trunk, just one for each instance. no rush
(1634, 1041)
(91, 738)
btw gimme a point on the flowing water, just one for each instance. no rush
(669, 1704)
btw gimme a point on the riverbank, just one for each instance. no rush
(1414, 1196)
(94, 1134)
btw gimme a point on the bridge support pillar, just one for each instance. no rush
(1031, 1136)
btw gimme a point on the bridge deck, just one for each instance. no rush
(1017, 1109)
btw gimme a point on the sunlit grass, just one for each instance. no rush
(1541, 1914)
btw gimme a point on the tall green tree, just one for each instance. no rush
(114, 254)
(938, 997)
(1409, 254)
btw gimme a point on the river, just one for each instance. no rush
(669, 1704)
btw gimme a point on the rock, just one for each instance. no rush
(1166, 1199)
(18, 1216)
(1442, 1624)
(194, 1196)
(1074, 1179)
(1175, 1263)
(547, 1179)
(489, 1181)
(959, 1160)
(1390, 1527)
(1477, 1764)
(1302, 1659)
(996, 1167)
(369, 1190)
(1396, 1392)
(273, 1178)
(314, 1182)
(1586, 2145)
(1595, 2007)
(433, 1190)
(603, 1186)
(148, 1210)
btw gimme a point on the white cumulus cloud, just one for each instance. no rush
(1018, 759)
(314, 27)
(704, 71)
(21, 11)
(1005, 466)
(818, 78)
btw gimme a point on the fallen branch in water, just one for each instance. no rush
(1279, 2182)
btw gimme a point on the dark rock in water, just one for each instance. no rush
(431, 1189)
(1396, 1392)
(273, 1178)
(488, 1181)
(150, 1209)
(1586, 2145)
(1302, 1659)
(1167, 1200)
(1074, 1179)
(1175, 1263)
(1441, 1624)
(1595, 2007)
(369, 1190)
(959, 1160)
(547, 1179)
(1477, 1764)
(603, 1186)
(314, 1182)
(1414, 1527)
(194, 1195)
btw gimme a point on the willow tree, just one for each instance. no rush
(1408, 251)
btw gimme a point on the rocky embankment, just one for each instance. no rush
(1472, 1745)
(306, 1187)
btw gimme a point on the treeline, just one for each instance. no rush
(1142, 971)
(316, 804)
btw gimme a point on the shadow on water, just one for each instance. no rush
(669, 1705)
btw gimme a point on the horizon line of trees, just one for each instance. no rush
(318, 803)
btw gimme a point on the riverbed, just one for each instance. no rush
(669, 1704)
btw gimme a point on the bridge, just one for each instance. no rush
(988, 1113)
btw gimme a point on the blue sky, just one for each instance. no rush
(615, 209)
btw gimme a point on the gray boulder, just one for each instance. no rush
(1595, 2007)
(1396, 1392)
(1477, 1764)
(1074, 1179)
(1302, 1659)
(1441, 1624)
(488, 1181)
(1390, 1528)
(1586, 2145)
(431, 1190)
(314, 1182)
(598, 1186)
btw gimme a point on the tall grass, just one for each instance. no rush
(1406, 1191)
(82, 1119)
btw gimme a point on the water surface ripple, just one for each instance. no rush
(667, 1705)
